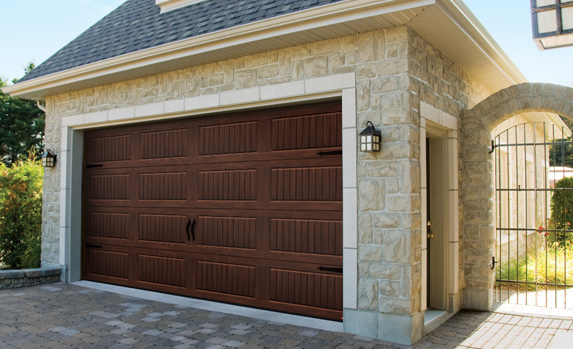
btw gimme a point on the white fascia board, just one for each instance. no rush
(340, 12)
(475, 31)
(168, 5)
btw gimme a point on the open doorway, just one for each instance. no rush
(440, 296)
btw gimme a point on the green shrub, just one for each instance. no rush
(553, 264)
(21, 214)
(561, 212)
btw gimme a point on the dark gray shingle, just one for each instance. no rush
(137, 24)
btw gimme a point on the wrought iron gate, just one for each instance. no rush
(534, 215)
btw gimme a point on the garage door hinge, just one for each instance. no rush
(334, 270)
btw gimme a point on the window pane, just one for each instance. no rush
(547, 21)
(545, 2)
(567, 17)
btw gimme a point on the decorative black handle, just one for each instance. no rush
(187, 229)
(334, 270)
(193, 229)
(334, 152)
(93, 246)
(493, 262)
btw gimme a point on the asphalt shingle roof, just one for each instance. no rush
(138, 24)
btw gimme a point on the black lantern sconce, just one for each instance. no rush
(370, 139)
(552, 23)
(49, 159)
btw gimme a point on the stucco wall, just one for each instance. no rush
(395, 69)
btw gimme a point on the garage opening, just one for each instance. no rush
(243, 208)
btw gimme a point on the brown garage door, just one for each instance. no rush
(243, 208)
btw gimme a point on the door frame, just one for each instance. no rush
(335, 87)
(435, 123)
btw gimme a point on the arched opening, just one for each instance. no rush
(477, 176)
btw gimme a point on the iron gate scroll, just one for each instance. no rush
(534, 201)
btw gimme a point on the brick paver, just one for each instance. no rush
(70, 316)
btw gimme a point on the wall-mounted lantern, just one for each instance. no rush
(552, 22)
(370, 139)
(49, 158)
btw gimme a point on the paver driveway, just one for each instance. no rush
(70, 316)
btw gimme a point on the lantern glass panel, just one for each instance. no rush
(368, 146)
(545, 2)
(567, 18)
(566, 1)
(363, 147)
(547, 21)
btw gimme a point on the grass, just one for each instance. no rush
(551, 265)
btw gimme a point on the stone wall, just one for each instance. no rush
(395, 69)
(28, 277)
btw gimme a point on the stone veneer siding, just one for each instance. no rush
(395, 70)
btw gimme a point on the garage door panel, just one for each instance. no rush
(164, 144)
(225, 278)
(304, 288)
(107, 263)
(109, 187)
(309, 131)
(306, 236)
(167, 271)
(244, 208)
(235, 185)
(111, 148)
(108, 225)
(306, 184)
(163, 228)
(234, 232)
(163, 186)
(228, 138)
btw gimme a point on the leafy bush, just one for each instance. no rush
(561, 212)
(21, 214)
(552, 264)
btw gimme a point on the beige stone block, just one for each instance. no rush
(363, 270)
(397, 246)
(383, 169)
(298, 70)
(336, 59)
(246, 79)
(396, 50)
(285, 60)
(389, 288)
(257, 60)
(273, 56)
(385, 271)
(370, 253)
(396, 107)
(374, 116)
(393, 67)
(363, 95)
(342, 70)
(268, 71)
(324, 47)
(371, 46)
(365, 228)
(403, 203)
(348, 42)
(315, 67)
(368, 294)
(386, 220)
(299, 52)
(394, 305)
(385, 84)
(378, 236)
(351, 57)
(372, 193)
(398, 34)
(366, 71)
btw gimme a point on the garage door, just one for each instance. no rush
(243, 208)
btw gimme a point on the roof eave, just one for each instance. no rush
(138, 63)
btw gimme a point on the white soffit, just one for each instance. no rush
(442, 22)
(168, 5)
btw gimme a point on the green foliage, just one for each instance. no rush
(561, 211)
(21, 214)
(552, 264)
(562, 153)
(21, 128)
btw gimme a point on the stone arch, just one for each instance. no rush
(476, 182)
